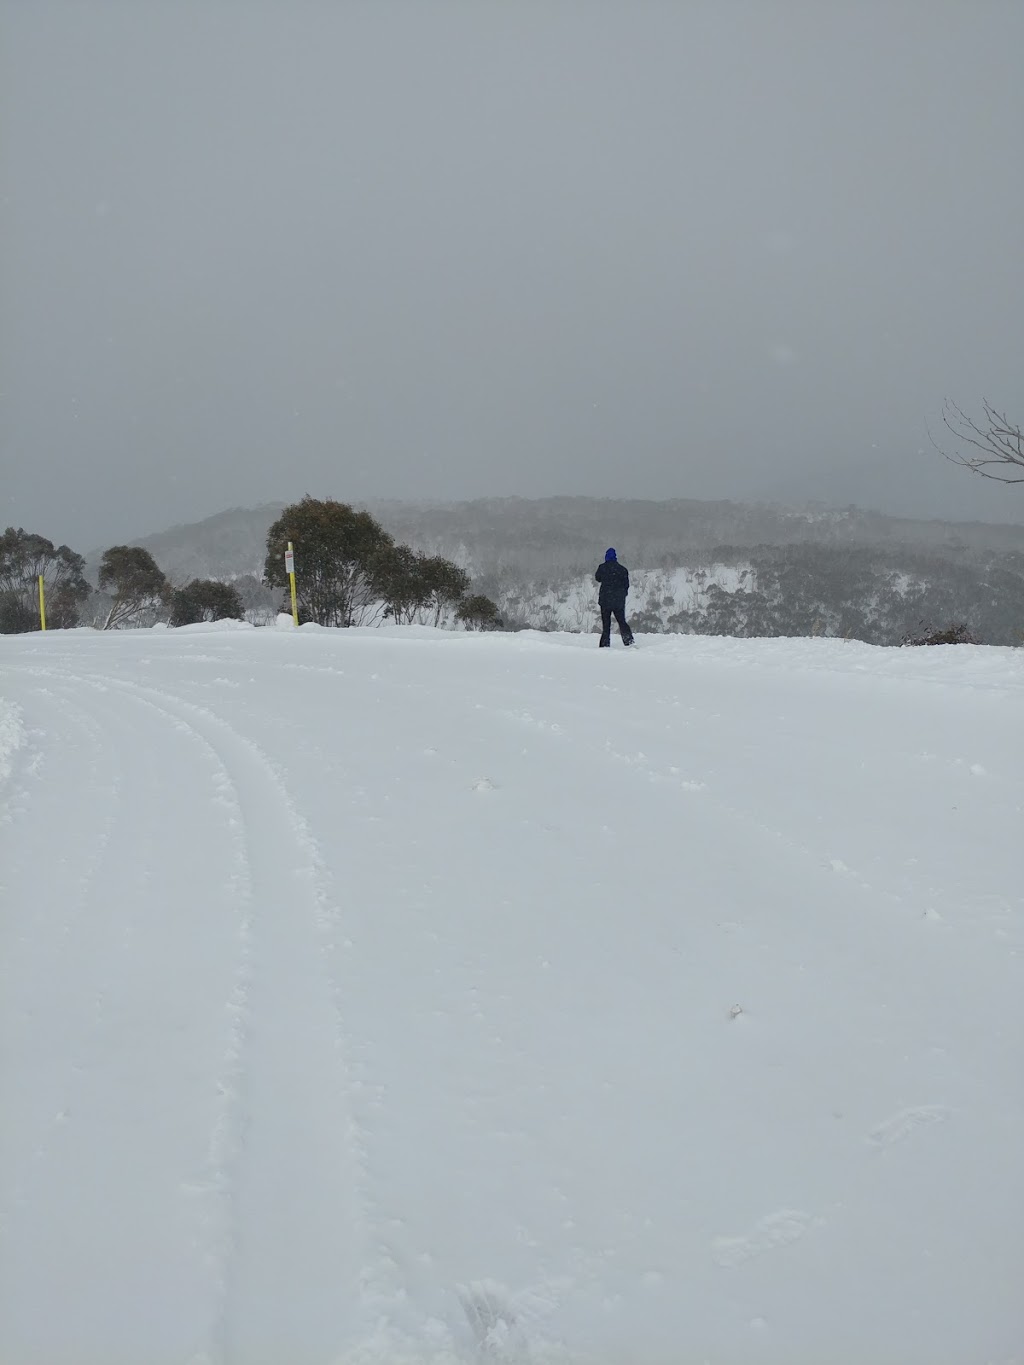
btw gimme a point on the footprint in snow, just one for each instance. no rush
(496, 1329)
(901, 1125)
(770, 1233)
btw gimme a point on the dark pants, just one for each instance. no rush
(618, 610)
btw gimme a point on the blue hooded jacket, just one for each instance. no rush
(614, 580)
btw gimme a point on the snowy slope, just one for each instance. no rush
(381, 996)
(657, 593)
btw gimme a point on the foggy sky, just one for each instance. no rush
(374, 248)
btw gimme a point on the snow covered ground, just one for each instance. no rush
(396, 995)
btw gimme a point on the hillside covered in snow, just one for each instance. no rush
(706, 568)
(405, 996)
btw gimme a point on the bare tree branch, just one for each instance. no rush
(999, 442)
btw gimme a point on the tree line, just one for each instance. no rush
(350, 572)
(353, 572)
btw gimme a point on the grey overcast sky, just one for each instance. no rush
(458, 248)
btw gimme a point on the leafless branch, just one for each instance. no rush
(999, 443)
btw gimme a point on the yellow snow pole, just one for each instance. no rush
(289, 564)
(42, 603)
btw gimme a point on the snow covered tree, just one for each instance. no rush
(337, 553)
(204, 599)
(138, 588)
(24, 557)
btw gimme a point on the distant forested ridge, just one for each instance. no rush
(697, 567)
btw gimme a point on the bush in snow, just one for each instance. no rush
(479, 613)
(16, 616)
(204, 599)
(955, 634)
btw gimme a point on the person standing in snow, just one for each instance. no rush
(614, 580)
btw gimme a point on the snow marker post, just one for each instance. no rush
(289, 568)
(42, 603)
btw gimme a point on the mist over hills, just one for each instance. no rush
(491, 531)
(703, 567)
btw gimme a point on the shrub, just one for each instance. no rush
(16, 616)
(479, 613)
(204, 599)
(954, 634)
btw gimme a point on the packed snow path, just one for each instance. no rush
(381, 996)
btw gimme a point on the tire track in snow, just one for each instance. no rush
(361, 1255)
(406, 1272)
(48, 941)
(215, 1182)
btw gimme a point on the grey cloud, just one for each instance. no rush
(450, 249)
